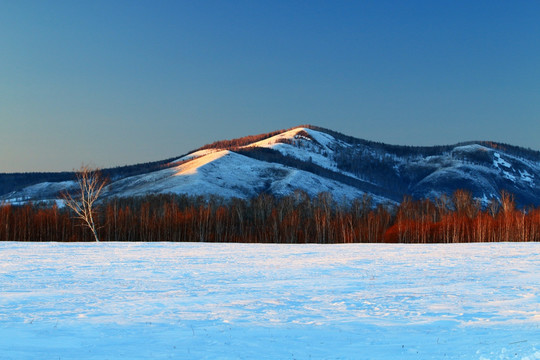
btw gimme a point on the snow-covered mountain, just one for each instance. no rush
(316, 160)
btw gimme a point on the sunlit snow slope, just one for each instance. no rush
(229, 174)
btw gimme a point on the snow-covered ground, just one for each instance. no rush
(242, 301)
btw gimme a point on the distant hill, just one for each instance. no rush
(314, 160)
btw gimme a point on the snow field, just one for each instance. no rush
(246, 301)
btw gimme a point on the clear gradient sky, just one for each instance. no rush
(120, 82)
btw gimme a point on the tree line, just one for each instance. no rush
(295, 218)
(426, 151)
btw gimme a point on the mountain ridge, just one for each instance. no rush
(314, 159)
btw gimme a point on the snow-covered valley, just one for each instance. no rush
(245, 301)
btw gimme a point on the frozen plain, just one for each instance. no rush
(245, 301)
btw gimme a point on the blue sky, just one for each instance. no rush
(119, 82)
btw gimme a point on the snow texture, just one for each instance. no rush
(526, 177)
(229, 174)
(37, 191)
(319, 152)
(246, 301)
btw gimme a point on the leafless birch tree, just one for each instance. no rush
(83, 203)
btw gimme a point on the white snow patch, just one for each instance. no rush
(324, 139)
(37, 190)
(485, 200)
(196, 154)
(470, 148)
(320, 152)
(509, 176)
(191, 167)
(41, 192)
(499, 161)
(526, 177)
(287, 135)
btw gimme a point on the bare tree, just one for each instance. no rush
(83, 203)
